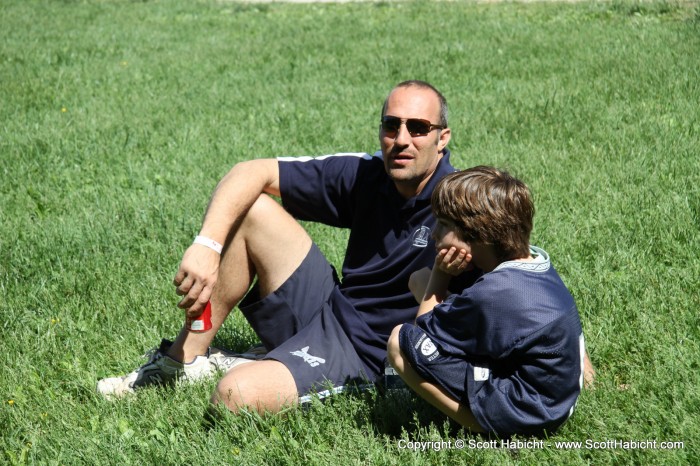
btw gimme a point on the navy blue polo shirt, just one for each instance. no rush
(389, 239)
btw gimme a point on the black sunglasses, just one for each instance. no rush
(415, 126)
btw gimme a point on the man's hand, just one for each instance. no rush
(196, 277)
(453, 262)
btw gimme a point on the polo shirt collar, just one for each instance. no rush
(443, 168)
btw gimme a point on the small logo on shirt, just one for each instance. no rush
(421, 237)
(313, 361)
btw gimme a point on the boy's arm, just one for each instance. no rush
(418, 283)
(448, 263)
(435, 292)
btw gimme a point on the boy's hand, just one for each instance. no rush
(453, 262)
(448, 263)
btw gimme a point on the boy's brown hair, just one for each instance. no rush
(489, 206)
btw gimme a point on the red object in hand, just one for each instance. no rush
(201, 323)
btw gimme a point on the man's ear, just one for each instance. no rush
(445, 136)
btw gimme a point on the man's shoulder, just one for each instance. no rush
(336, 158)
(341, 165)
(348, 178)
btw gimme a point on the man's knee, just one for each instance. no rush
(265, 386)
(228, 392)
(275, 243)
(264, 212)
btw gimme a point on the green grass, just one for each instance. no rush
(117, 119)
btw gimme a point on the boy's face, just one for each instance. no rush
(447, 235)
(476, 254)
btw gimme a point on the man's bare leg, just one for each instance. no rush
(268, 243)
(266, 386)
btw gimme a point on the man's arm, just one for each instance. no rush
(231, 200)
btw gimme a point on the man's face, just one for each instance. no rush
(411, 160)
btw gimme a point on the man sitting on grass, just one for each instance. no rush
(506, 355)
(318, 331)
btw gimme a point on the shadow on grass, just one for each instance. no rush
(398, 411)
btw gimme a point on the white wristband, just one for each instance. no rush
(208, 242)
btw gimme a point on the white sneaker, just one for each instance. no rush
(225, 360)
(163, 370)
(159, 370)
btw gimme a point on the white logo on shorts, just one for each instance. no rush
(428, 347)
(481, 374)
(312, 360)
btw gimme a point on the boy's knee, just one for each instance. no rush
(393, 348)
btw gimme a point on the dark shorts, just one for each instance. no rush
(297, 326)
(446, 371)
(497, 397)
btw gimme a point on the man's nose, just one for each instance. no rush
(403, 137)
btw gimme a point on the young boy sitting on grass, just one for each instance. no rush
(506, 354)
